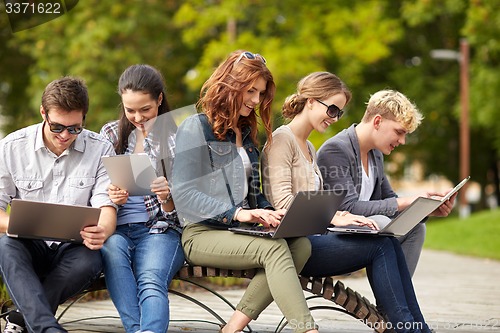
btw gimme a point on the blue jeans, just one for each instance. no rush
(139, 267)
(38, 278)
(334, 254)
(411, 243)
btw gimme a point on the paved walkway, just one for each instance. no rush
(457, 294)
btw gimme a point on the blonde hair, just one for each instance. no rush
(317, 85)
(393, 105)
(221, 96)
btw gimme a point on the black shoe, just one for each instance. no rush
(15, 323)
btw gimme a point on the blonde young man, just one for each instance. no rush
(353, 159)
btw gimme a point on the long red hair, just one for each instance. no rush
(221, 96)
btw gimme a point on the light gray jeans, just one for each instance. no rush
(412, 244)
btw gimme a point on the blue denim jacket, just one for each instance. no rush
(208, 175)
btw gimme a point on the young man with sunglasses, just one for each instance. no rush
(55, 161)
(353, 159)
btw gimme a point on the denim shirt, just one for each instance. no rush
(208, 175)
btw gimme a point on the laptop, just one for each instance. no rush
(50, 221)
(133, 173)
(406, 220)
(310, 213)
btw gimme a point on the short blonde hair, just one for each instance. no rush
(393, 105)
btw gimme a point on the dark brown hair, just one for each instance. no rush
(146, 79)
(68, 94)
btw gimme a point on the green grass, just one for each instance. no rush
(478, 235)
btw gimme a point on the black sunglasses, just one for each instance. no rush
(250, 56)
(58, 128)
(332, 111)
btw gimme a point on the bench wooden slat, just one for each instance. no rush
(328, 289)
(354, 303)
(340, 294)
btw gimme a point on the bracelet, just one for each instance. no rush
(167, 199)
(236, 213)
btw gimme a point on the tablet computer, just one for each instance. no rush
(133, 173)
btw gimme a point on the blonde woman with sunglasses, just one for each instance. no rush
(289, 165)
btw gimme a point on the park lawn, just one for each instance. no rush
(478, 235)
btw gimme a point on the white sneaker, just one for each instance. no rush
(15, 323)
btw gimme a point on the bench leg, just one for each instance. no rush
(203, 306)
(282, 324)
(69, 306)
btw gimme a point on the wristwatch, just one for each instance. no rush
(167, 199)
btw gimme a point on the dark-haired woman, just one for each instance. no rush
(143, 255)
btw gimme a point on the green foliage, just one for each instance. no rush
(4, 295)
(438, 24)
(97, 40)
(478, 235)
(425, 11)
(483, 29)
(371, 45)
(295, 37)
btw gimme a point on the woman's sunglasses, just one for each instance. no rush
(332, 111)
(250, 56)
(58, 128)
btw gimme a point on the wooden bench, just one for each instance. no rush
(341, 298)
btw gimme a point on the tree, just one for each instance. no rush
(436, 25)
(13, 80)
(371, 45)
(97, 40)
(295, 37)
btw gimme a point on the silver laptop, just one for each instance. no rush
(310, 213)
(133, 173)
(406, 220)
(49, 221)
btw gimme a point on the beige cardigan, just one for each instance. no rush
(285, 170)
